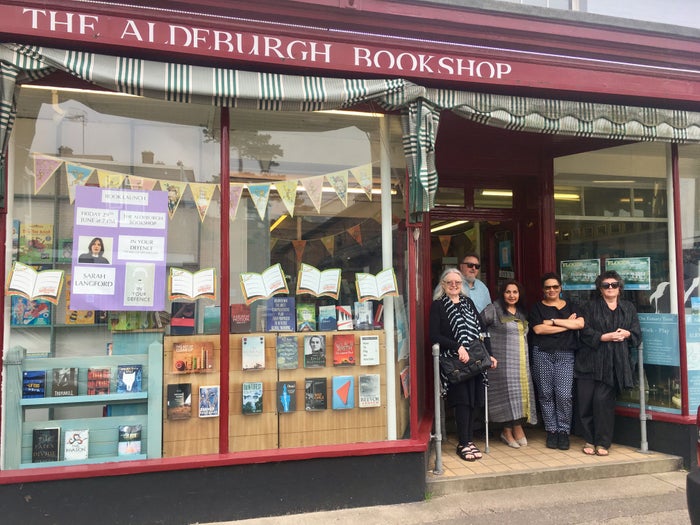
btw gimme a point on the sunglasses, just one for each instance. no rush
(552, 287)
(613, 285)
(471, 265)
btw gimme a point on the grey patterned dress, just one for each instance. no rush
(511, 394)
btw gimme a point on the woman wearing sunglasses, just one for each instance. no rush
(603, 365)
(555, 323)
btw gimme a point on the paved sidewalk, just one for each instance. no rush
(633, 500)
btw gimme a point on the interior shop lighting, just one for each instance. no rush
(278, 221)
(509, 193)
(447, 225)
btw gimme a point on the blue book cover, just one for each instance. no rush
(281, 314)
(129, 378)
(343, 392)
(326, 318)
(287, 352)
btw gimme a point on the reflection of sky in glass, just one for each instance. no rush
(76, 126)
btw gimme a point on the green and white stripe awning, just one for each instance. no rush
(420, 107)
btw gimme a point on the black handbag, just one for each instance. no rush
(457, 372)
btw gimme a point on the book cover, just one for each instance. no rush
(98, 381)
(344, 317)
(240, 319)
(343, 349)
(379, 317)
(26, 312)
(253, 397)
(45, 442)
(192, 357)
(129, 440)
(209, 401)
(258, 316)
(179, 401)
(405, 382)
(212, 319)
(253, 352)
(287, 352)
(182, 318)
(64, 382)
(369, 350)
(125, 321)
(369, 391)
(263, 285)
(286, 396)
(129, 378)
(33, 383)
(15, 239)
(306, 317)
(77, 316)
(314, 351)
(310, 280)
(64, 253)
(281, 314)
(75, 444)
(327, 318)
(363, 316)
(343, 392)
(315, 393)
(376, 286)
(192, 285)
(35, 243)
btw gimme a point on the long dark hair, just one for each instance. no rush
(520, 305)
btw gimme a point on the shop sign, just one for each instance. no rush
(270, 48)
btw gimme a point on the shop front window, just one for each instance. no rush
(116, 209)
(611, 211)
(689, 167)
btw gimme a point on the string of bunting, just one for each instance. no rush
(45, 166)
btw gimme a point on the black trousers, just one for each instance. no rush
(596, 406)
(464, 418)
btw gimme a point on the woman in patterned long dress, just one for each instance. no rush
(511, 393)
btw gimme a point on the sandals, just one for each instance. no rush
(588, 449)
(474, 450)
(466, 453)
(601, 451)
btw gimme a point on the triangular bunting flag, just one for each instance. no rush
(471, 234)
(314, 189)
(141, 183)
(356, 234)
(445, 241)
(339, 182)
(260, 193)
(363, 176)
(273, 242)
(203, 193)
(110, 179)
(76, 175)
(329, 243)
(176, 189)
(299, 249)
(235, 191)
(44, 168)
(287, 190)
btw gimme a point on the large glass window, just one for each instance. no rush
(611, 211)
(116, 208)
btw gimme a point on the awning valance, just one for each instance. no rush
(420, 107)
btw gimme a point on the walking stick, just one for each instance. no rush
(486, 409)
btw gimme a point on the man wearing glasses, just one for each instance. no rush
(472, 287)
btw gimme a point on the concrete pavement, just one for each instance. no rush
(631, 500)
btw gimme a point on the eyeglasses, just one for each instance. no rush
(614, 285)
(471, 265)
(552, 287)
(453, 283)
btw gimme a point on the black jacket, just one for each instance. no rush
(608, 362)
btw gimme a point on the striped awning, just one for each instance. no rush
(420, 107)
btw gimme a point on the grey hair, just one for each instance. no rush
(441, 291)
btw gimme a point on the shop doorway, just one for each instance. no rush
(495, 240)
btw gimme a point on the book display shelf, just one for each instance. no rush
(131, 399)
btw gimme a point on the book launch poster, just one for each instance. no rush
(119, 249)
